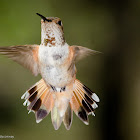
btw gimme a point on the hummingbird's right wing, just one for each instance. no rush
(26, 55)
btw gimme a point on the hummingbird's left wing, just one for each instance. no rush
(26, 55)
(81, 52)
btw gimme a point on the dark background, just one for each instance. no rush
(112, 27)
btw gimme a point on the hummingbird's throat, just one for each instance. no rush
(50, 41)
(53, 41)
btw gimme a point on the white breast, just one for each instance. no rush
(51, 61)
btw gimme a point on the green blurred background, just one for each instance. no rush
(112, 27)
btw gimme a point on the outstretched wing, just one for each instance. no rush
(81, 52)
(26, 55)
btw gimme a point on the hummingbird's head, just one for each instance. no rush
(51, 31)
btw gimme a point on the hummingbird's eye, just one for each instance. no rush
(59, 22)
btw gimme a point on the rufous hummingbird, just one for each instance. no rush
(58, 92)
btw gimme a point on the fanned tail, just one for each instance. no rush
(42, 98)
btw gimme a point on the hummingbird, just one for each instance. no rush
(58, 92)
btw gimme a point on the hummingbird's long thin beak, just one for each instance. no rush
(44, 18)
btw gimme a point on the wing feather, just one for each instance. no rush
(81, 52)
(26, 55)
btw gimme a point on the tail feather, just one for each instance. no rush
(45, 108)
(56, 118)
(68, 117)
(78, 108)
